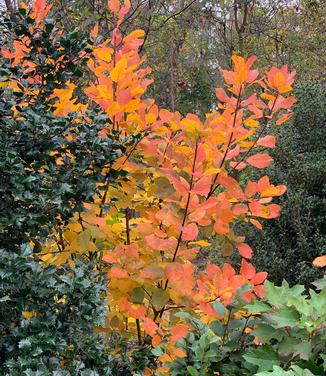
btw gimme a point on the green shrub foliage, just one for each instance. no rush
(283, 334)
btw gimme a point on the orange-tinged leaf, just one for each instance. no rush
(259, 278)
(119, 70)
(40, 10)
(320, 261)
(134, 35)
(152, 272)
(116, 272)
(156, 340)
(179, 331)
(221, 95)
(283, 118)
(179, 353)
(267, 141)
(251, 123)
(137, 311)
(110, 258)
(94, 32)
(114, 6)
(256, 223)
(274, 191)
(245, 250)
(149, 326)
(260, 160)
(247, 270)
(203, 185)
(190, 232)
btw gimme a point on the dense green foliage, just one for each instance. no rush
(289, 325)
(36, 192)
(47, 315)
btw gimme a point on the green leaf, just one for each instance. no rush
(137, 295)
(219, 308)
(303, 349)
(163, 187)
(264, 357)
(159, 298)
(257, 307)
(192, 371)
(267, 332)
(286, 316)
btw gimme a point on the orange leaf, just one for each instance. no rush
(247, 270)
(259, 278)
(320, 261)
(202, 186)
(149, 326)
(260, 160)
(256, 224)
(190, 232)
(114, 6)
(116, 272)
(245, 250)
(40, 10)
(179, 331)
(274, 191)
(267, 141)
(283, 118)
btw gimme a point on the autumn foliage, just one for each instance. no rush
(181, 188)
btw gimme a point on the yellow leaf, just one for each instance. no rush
(28, 314)
(136, 34)
(267, 96)
(75, 227)
(104, 53)
(117, 71)
(202, 243)
(251, 123)
(212, 171)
